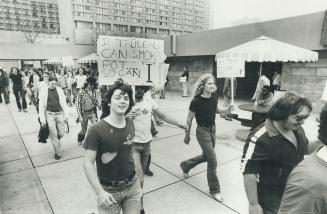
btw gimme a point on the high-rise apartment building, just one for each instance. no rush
(40, 16)
(157, 17)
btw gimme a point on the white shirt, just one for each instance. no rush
(276, 79)
(142, 122)
(80, 80)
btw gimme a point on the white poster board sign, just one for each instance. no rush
(68, 61)
(136, 60)
(229, 65)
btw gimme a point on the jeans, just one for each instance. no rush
(141, 153)
(185, 89)
(86, 117)
(20, 92)
(127, 197)
(57, 129)
(206, 139)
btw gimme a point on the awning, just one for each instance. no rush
(54, 60)
(265, 49)
(92, 58)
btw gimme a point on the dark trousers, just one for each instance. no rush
(5, 93)
(20, 93)
(206, 138)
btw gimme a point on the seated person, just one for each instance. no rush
(266, 96)
(265, 99)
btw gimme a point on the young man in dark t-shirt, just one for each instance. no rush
(109, 144)
(204, 107)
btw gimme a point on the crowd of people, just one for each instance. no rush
(277, 178)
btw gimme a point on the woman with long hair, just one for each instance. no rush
(204, 107)
(109, 144)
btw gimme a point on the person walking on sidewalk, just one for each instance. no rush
(108, 143)
(272, 150)
(204, 107)
(4, 83)
(141, 113)
(54, 113)
(79, 79)
(18, 88)
(186, 75)
(88, 100)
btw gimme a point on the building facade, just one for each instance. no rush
(30, 16)
(141, 18)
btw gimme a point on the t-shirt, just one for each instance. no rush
(53, 103)
(142, 122)
(205, 110)
(16, 79)
(80, 80)
(306, 189)
(103, 137)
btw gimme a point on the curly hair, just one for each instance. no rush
(125, 88)
(322, 131)
(199, 85)
(287, 105)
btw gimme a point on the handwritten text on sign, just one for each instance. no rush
(136, 60)
(230, 65)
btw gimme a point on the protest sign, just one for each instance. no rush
(68, 61)
(230, 65)
(138, 61)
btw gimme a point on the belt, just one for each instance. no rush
(118, 183)
(90, 110)
(55, 111)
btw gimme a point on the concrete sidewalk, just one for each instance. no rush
(32, 181)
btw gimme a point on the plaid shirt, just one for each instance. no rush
(83, 96)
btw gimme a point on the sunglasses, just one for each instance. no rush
(302, 117)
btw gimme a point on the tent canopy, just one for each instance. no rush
(92, 58)
(265, 49)
(54, 60)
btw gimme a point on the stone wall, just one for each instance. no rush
(307, 79)
(197, 65)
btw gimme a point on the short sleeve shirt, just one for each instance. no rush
(103, 138)
(205, 110)
(142, 121)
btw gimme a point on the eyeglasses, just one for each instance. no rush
(301, 118)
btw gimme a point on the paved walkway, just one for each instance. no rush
(32, 181)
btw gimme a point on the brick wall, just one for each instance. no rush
(307, 79)
(197, 65)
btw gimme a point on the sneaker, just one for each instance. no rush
(25, 110)
(185, 174)
(19, 110)
(217, 196)
(57, 157)
(148, 172)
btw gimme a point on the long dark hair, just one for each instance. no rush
(125, 88)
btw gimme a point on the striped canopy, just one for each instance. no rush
(54, 60)
(92, 58)
(265, 49)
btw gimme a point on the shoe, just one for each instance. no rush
(185, 174)
(80, 143)
(142, 211)
(57, 157)
(19, 110)
(25, 110)
(148, 172)
(159, 122)
(217, 196)
(30, 103)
